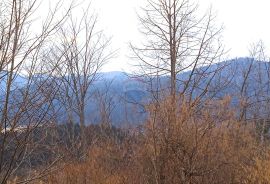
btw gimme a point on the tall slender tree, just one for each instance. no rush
(82, 51)
(24, 102)
(178, 38)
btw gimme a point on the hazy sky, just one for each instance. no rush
(245, 22)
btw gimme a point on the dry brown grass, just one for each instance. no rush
(206, 144)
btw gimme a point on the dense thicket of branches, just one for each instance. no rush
(206, 145)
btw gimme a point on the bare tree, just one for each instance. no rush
(178, 39)
(252, 88)
(105, 99)
(82, 51)
(24, 103)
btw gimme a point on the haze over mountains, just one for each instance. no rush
(126, 95)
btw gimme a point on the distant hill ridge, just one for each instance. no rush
(125, 91)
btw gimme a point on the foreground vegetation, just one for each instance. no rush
(206, 144)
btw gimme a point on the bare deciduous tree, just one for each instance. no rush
(178, 39)
(24, 104)
(82, 51)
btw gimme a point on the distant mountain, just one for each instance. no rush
(113, 75)
(238, 78)
(127, 94)
(18, 81)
